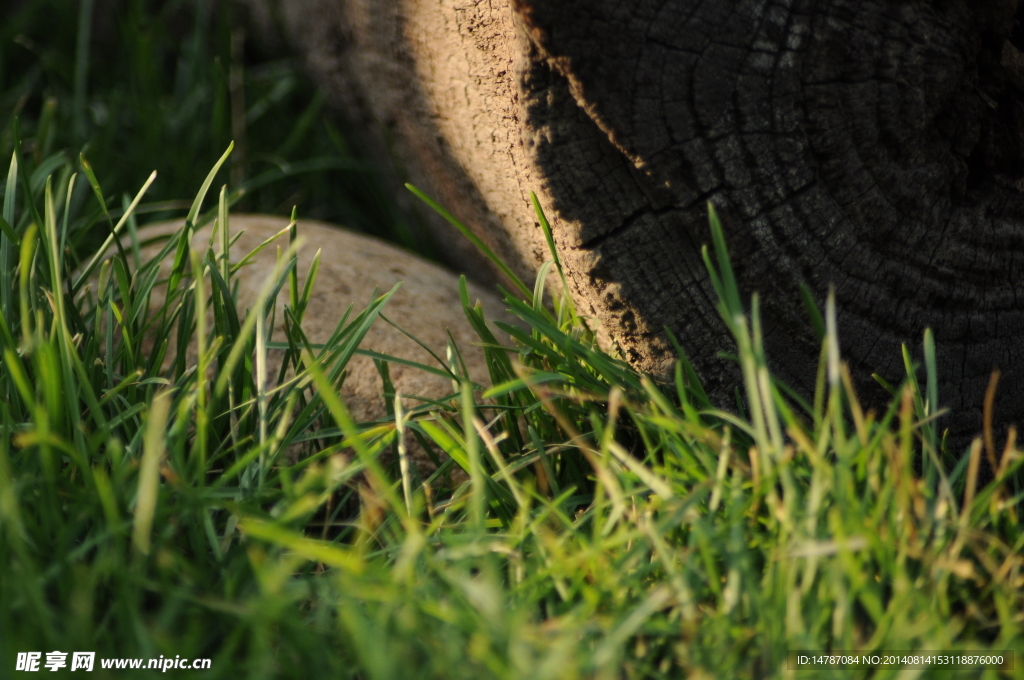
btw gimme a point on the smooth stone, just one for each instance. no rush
(353, 269)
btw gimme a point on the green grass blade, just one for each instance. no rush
(149, 472)
(115, 229)
(475, 240)
(197, 204)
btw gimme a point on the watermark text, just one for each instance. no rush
(32, 662)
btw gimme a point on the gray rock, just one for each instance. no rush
(353, 267)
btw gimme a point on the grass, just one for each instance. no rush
(142, 86)
(610, 526)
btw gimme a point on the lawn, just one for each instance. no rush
(609, 525)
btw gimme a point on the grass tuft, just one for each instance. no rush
(609, 526)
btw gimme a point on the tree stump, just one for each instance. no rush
(876, 147)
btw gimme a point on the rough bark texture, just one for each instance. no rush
(434, 86)
(876, 146)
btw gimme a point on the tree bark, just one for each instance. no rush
(874, 146)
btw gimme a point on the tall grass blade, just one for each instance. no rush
(149, 472)
(475, 240)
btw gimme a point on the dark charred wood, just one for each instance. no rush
(874, 146)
